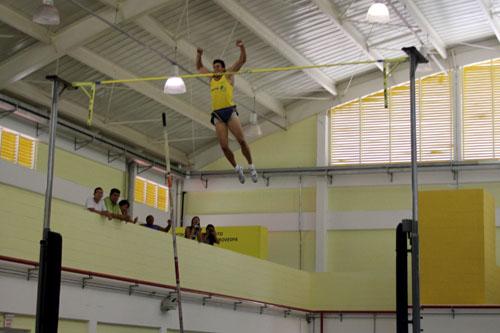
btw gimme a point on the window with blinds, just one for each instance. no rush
(481, 110)
(17, 148)
(363, 131)
(151, 193)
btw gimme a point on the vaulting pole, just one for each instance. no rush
(174, 223)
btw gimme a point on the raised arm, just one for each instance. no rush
(169, 226)
(199, 63)
(241, 60)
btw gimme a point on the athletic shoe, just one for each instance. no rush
(241, 176)
(253, 173)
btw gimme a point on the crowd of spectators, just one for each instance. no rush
(112, 208)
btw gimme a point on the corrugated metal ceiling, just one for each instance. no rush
(204, 24)
(12, 41)
(68, 11)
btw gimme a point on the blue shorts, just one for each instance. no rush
(223, 115)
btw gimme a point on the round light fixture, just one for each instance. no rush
(378, 13)
(47, 14)
(175, 85)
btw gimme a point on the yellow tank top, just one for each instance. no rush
(222, 93)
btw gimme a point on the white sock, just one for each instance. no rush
(237, 167)
(251, 166)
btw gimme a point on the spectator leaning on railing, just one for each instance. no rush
(150, 223)
(111, 203)
(124, 206)
(95, 203)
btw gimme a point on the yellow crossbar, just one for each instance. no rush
(243, 71)
(93, 84)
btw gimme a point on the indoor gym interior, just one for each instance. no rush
(374, 127)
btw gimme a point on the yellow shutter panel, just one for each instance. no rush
(344, 134)
(151, 194)
(364, 131)
(374, 129)
(26, 152)
(399, 102)
(8, 146)
(478, 111)
(495, 88)
(162, 198)
(435, 118)
(139, 193)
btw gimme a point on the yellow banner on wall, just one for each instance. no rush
(249, 240)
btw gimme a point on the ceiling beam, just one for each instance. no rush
(436, 41)
(271, 38)
(147, 89)
(349, 30)
(66, 43)
(189, 50)
(487, 6)
(21, 23)
(42, 54)
(79, 114)
(443, 67)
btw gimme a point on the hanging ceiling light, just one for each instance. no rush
(175, 85)
(47, 14)
(378, 13)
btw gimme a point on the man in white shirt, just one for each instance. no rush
(96, 203)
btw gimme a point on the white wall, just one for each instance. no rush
(18, 296)
(434, 321)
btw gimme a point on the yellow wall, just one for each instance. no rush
(295, 147)
(81, 170)
(284, 249)
(361, 271)
(396, 197)
(457, 230)
(283, 246)
(96, 244)
(247, 202)
(361, 263)
(248, 240)
(65, 326)
(107, 328)
(251, 240)
(352, 291)
(363, 251)
(363, 198)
